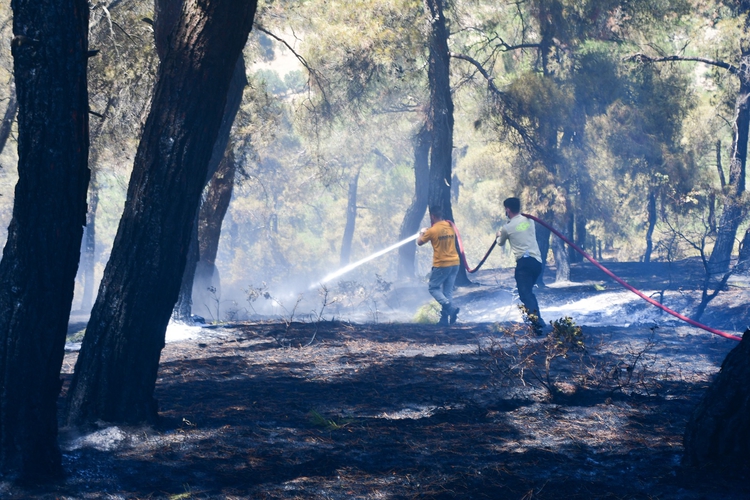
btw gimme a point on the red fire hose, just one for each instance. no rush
(606, 271)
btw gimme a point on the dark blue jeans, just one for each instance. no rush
(528, 270)
(441, 284)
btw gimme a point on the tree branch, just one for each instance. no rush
(490, 79)
(313, 73)
(503, 97)
(643, 58)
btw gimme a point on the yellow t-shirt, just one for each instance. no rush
(443, 240)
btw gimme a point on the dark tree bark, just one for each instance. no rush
(440, 111)
(210, 219)
(117, 366)
(743, 262)
(351, 219)
(10, 115)
(166, 16)
(718, 432)
(415, 212)
(440, 120)
(183, 308)
(562, 264)
(732, 214)
(580, 234)
(651, 209)
(38, 268)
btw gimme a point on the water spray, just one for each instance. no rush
(348, 268)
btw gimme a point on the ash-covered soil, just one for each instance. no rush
(396, 410)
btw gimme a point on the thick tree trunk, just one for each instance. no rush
(40, 259)
(166, 16)
(351, 220)
(732, 214)
(718, 432)
(183, 308)
(415, 212)
(117, 366)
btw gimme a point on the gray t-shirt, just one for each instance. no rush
(521, 233)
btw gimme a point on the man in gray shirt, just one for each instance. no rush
(521, 234)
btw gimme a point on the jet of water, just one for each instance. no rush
(348, 268)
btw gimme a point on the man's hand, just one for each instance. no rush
(422, 231)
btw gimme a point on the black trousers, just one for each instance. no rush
(528, 270)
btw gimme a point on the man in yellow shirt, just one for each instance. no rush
(521, 233)
(445, 262)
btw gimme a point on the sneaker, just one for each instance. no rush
(453, 315)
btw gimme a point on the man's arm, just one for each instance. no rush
(502, 236)
(423, 237)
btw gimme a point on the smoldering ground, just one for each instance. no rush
(337, 409)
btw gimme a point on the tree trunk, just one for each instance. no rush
(415, 212)
(183, 308)
(166, 16)
(10, 115)
(210, 219)
(718, 432)
(731, 216)
(351, 219)
(38, 268)
(743, 262)
(651, 208)
(542, 239)
(440, 118)
(440, 111)
(562, 263)
(580, 236)
(117, 366)
(88, 256)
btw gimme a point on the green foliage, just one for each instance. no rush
(575, 130)
(566, 335)
(428, 314)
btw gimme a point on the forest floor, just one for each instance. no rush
(397, 410)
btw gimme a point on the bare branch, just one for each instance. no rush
(490, 79)
(313, 73)
(502, 97)
(643, 58)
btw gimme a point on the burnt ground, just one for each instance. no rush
(338, 410)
